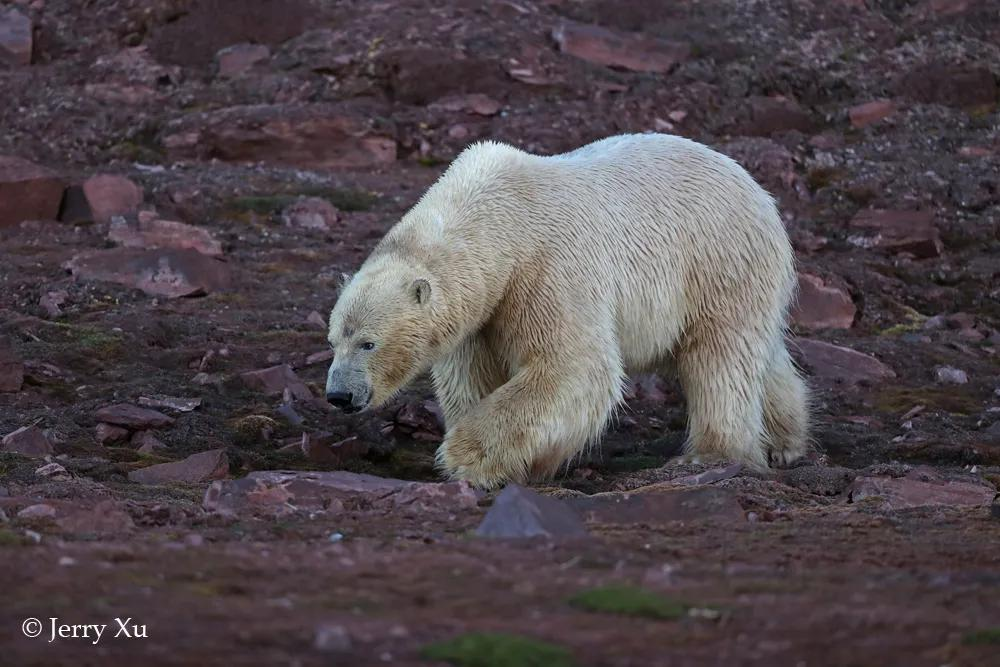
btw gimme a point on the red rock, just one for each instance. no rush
(770, 163)
(132, 416)
(519, 512)
(911, 232)
(15, 37)
(27, 441)
(280, 492)
(321, 448)
(319, 357)
(274, 380)
(155, 233)
(50, 302)
(311, 213)
(200, 467)
(318, 136)
(894, 493)
(11, 370)
(170, 273)
(105, 518)
(27, 191)
(146, 442)
(657, 506)
(109, 195)
(870, 112)
(423, 417)
(835, 364)
(107, 434)
(316, 320)
(237, 59)
(631, 51)
(475, 103)
(975, 151)
(771, 115)
(962, 86)
(821, 306)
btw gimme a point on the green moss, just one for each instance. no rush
(985, 636)
(345, 199)
(629, 601)
(634, 462)
(262, 204)
(8, 538)
(497, 650)
(99, 344)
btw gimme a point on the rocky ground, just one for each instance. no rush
(182, 183)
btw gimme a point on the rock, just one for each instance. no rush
(15, 37)
(894, 493)
(200, 467)
(74, 209)
(865, 114)
(838, 365)
(27, 441)
(317, 136)
(133, 417)
(51, 302)
(521, 512)
(321, 448)
(961, 86)
(39, 511)
(237, 59)
(316, 320)
(769, 162)
(630, 51)
(422, 420)
(170, 403)
(155, 233)
(274, 380)
(709, 476)
(109, 195)
(54, 471)
(311, 213)
(146, 442)
(27, 191)
(108, 434)
(912, 232)
(474, 103)
(420, 75)
(319, 357)
(656, 505)
(332, 638)
(822, 306)
(773, 115)
(169, 273)
(105, 518)
(282, 492)
(950, 375)
(11, 370)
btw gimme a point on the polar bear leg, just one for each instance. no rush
(722, 373)
(786, 409)
(465, 376)
(533, 423)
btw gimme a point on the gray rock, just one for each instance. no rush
(521, 512)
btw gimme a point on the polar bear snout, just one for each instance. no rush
(347, 391)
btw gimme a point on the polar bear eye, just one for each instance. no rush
(367, 345)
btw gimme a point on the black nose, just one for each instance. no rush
(341, 399)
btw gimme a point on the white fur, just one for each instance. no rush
(554, 278)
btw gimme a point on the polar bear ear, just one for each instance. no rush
(421, 291)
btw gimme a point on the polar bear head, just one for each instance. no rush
(381, 332)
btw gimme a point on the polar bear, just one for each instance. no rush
(531, 287)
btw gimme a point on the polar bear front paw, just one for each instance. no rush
(461, 457)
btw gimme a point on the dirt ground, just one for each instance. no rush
(873, 122)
